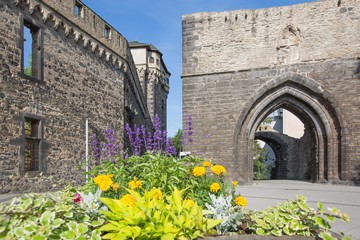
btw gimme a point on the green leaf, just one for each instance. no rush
(260, 231)
(320, 206)
(57, 222)
(330, 218)
(303, 206)
(168, 236)
(46, 218)
(38, 237)
(82, 228)
(322, 223)
(72, 226)
(326, 236)
(68, 235)
(96, 235)
(276, 232)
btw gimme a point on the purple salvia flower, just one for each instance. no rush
(95, 146)
(130, 134)
(158, 135)
(182, 138)
(149, 143)
(190, 129)
(137, 142)
(109, 148)
(170, 149)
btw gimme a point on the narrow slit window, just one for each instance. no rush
(32, 145)
(107, 32)
(79, 9)
(94, 21)
(32, 51)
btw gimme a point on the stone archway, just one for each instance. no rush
(295, 158)
(314, 106)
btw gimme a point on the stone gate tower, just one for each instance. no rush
(239, 66)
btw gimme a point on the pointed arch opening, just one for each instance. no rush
(314, 106)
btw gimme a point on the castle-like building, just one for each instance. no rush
(239, 66)
(63, 69)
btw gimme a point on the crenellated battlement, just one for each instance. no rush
(84, 26)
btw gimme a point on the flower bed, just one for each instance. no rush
(157, 197)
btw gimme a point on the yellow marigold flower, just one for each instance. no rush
(199, 171)
(134, 184)
(157, 193)
(188, 203)
(207, 163)
(241, 201)
(215, 187)
(218, 169)
(129, 200)
(234, 183)
(104, 181)
(115, 186)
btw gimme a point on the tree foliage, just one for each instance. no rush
(28, 68)
(176, 140)
(260, 168)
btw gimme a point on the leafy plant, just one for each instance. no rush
(153, 217)
(176, 140)
(160, 171)
(223, 207)
(295, 217)
(47, 216)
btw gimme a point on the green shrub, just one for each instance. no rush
(295, 217)
(158, 171)
(224, 207)
(153, 216)
(47, 216)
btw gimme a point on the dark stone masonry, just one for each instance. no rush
(82, 69)
(240, 66)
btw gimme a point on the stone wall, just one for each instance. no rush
(239, 66)
(263, 38)
(84, 76)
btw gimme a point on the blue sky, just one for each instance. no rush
(159, 22)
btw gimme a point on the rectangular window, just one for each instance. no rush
(32, 51)
(151, 60)
(79, 9)
(32, 145)
(107, 32)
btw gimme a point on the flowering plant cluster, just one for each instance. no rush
(211, 179)
(138, 197)
(155, 141)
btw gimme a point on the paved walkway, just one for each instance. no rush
(262, 194)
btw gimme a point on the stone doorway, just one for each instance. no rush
(315, 108)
